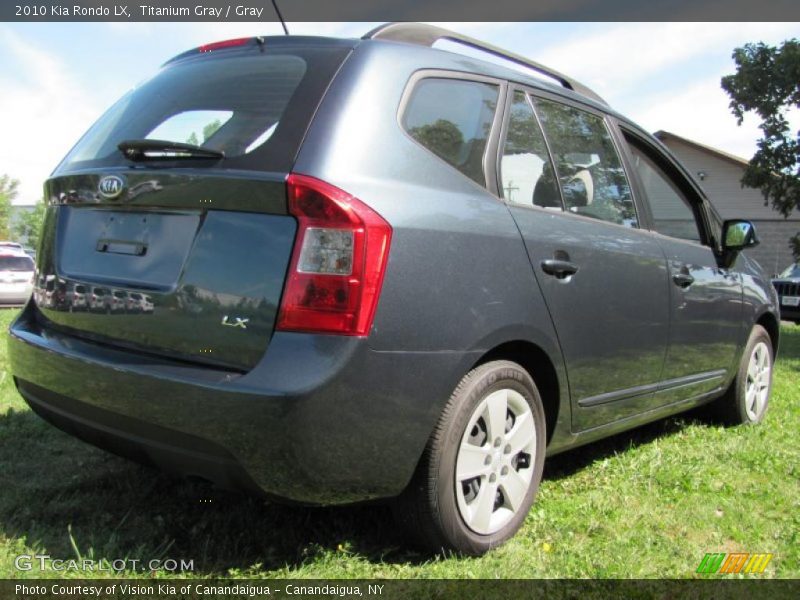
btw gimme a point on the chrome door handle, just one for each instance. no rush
(683, 280)
(561, 269)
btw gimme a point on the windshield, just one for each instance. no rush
(253, 106)
(791, 272)
(16, 263)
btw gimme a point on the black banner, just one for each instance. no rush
(408, 10)
(210, 589)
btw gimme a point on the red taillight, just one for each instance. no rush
(223, 44)
(338, 261)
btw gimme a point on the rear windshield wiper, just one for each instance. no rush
(139, 150)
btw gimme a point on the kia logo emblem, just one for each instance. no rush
(110, 186)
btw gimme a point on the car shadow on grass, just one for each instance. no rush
(60, 491)
(57, 487)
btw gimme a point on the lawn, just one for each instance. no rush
(648, 503)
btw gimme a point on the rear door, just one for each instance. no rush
(183, 251)
(603, 278)
(706, 305)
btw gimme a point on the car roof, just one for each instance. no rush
(479, 65)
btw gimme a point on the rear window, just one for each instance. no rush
(452, 118)
(16, 263)
(254, 106)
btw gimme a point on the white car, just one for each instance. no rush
(16, 276)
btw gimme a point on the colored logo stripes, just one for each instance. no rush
(734, 562)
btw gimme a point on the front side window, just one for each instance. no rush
(589, 168)
(526, 172)
(452, 118)
(671, 210)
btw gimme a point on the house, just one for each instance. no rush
(720, 174)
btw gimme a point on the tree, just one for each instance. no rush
(210, 129)
(29, 224)
(443, 137)
(8, 191)
(767, 82)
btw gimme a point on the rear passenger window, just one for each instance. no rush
(526, 172)
(672, 212)
(590, 171)
(452, 119)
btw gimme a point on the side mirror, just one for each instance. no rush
(738, 234)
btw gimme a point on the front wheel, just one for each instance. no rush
(482, 466)
(747, 399)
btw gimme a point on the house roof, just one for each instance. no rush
(665, 135)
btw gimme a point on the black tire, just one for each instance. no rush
(732, 407)
(428, 509)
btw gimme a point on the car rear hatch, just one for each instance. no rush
(168, 231)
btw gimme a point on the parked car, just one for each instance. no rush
(392, 272)
(787, 284)
(134, 302)
(11, 245)
(16, 276)
(97, 299)
(76, 297)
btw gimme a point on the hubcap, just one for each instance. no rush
(756, 391)
(494, 466)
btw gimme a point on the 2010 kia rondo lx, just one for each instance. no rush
(339, 270)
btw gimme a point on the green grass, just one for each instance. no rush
(648, 503)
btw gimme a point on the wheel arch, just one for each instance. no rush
(770, 322)
(541, 368)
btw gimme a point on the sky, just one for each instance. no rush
(57, 78)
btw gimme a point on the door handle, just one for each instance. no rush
(683, 280)
(560, 269)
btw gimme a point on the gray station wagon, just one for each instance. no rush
(338, 270)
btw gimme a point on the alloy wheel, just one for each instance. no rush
(758, 381)
(494, 461)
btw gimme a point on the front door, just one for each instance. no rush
(705, 300)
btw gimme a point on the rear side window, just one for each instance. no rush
(589, 168)
(16, 263)
(254, 106)
(452, 118)
(526, 172)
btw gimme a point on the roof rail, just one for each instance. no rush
(427, 35)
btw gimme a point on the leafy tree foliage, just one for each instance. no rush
(442, 137)
(8, 191)
(767, 83)
(29, 224)
(210, 129)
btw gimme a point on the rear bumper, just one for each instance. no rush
(320, 420)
